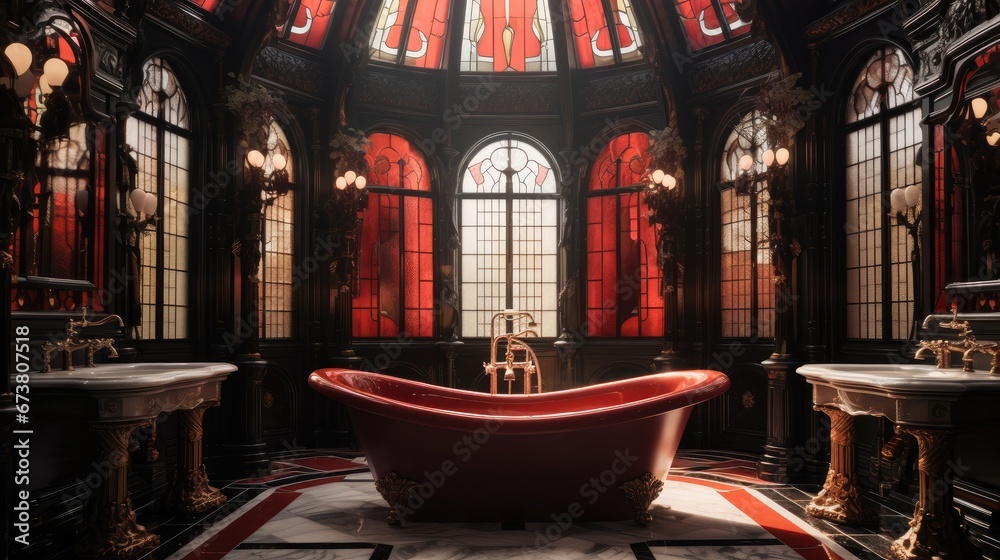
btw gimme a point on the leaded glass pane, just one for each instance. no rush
(885, 82)
(277, 245)
(705, 26)
(311, 22)
(508, 36)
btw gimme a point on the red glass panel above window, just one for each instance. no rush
(207, 5)
(423, 33)
(594, 45)
(705, 26)
(508, 35)
(310, 23)
(622, 164)
(394, 162)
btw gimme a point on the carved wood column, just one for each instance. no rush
(110, 529)
(190, 492)
(938, 529)
(840, 500)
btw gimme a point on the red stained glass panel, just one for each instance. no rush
(505, 35)
(311, 23)
(623, 284)
(207, 5)
(594, 45)
(396, 266)
(704, 26)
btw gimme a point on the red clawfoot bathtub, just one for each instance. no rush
(594, 453)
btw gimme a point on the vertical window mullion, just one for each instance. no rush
(160, 234)
(754, 244)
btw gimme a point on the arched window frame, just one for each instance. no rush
(275, 298)
(615, 207)
(746, 297)
(395, 290)
(535, 261)
(878, 272)
(163, 155)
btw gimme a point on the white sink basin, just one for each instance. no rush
(901, 377)
(129, 376)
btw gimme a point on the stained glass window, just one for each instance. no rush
(508, 36)
(160, 134)
(509, 219)
(881, 146)
(277, 251)
(623, 280)
(395, 288)
(309, 22)
(595, 44)
(747, 285)
(710, 22)
(411, 32)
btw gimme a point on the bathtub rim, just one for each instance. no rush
(330, 383)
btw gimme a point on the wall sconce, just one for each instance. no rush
(133, 226)
(904, 205)
(990, 124)
(665, 199)
(344, 210)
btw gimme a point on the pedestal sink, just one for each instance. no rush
(114, 399)
(928, 403)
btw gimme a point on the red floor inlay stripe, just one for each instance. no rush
(326, 463)
(784, 530)
(310, 483)
(223, 542)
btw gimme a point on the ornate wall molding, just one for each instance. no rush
(942, 33)
(734, 67)
(287, 69)
(618, 91)
(110, 60)
(398, 91)
(838, 19)
(188, 24)
(490, 97)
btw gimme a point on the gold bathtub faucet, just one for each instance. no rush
(508, 326)
(968, 345)
(72, 343)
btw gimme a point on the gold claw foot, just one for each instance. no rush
(640, 493)
(396, 491)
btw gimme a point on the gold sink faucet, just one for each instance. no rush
(968, 345)
(72, 343)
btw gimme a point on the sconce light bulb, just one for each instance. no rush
(912, 196)
(341, 183)
(19, 56)
(138, 198)
(350, 176)
(255, 159)
(361, 182)
(56, 71)
(279, 162)
(43, 84)
(979, 107)
(746, 162)
(897, 200)
(150, 205)
(669, 181)
(768, 157)
(658, 176)
(993, 139)
(782, 156)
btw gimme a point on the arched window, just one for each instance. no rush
(747, 283)
(160, 133)
(623, 284)
(508, 36)
(275, 297)
(509, 217)
(882, 141)
(395, 288)
(595, 44)
(411, 32)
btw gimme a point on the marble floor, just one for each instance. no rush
(324, 506)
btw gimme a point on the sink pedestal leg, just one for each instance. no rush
(937, 528)
(110, 527)
(839, 499)
(190, 492)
